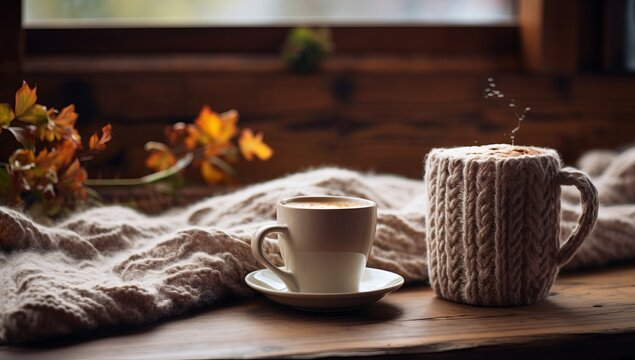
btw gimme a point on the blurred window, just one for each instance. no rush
(630, 35)
(197, 13)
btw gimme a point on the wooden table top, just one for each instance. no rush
(586, 314)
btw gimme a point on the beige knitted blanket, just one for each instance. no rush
(111, 266)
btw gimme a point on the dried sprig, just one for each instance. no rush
(493, 93)
(45, 173)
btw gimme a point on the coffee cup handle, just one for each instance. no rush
(256, 249)
(586, 221)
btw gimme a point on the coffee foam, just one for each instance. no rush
(323, 204)
(496, 151)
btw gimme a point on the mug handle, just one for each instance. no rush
(256, 248)
(586, 221)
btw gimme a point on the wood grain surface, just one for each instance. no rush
(586, 315)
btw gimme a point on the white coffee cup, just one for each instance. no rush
(325, 242)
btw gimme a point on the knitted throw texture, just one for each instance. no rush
(493, 222)
(110, 267)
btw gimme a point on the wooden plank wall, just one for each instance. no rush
(11, 43)
(384, 121)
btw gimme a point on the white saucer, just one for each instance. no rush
(375, 285)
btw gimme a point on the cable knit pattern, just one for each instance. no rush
(111, 267)
(515, 222)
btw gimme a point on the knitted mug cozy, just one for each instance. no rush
(493, 215)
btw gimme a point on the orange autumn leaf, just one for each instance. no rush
(45, 159)
(212, 128)
(73, 134)
(6, 115)
(211, 174)
(192, 137)
(73, 179)
(25, 98)
(45, 172)
(219, 128)
(22, 163)
(176, 132)
(37, 115)
(160, 158)
(228, 127)
(209, 122)
(56, 158)
(66, 117)
(22, 159)
(97, 143)
(52, 125)
(41, 173)
(251, 145)
(64, 153)
(213, 150)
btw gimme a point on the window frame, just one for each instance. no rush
(425, 39)
(541, 41)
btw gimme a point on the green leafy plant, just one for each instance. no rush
(306, 48)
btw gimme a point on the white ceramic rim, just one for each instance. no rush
(363, 203)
